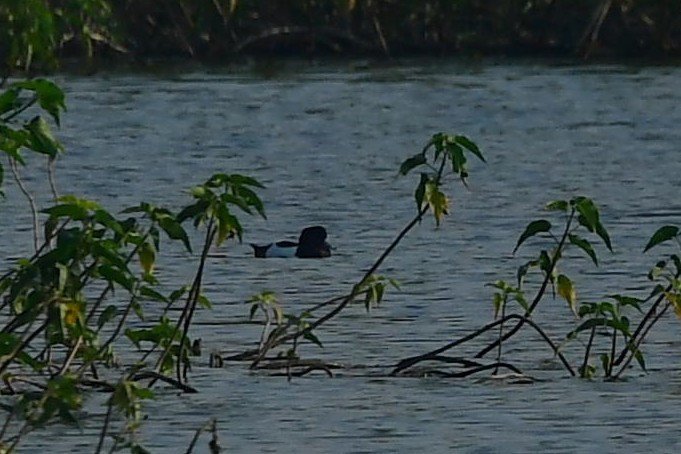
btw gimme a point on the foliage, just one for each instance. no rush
(90, 283)
(611, 316)
(34, 33)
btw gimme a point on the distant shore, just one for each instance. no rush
(39, 35)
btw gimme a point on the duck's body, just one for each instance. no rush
(282, 249)
(311, 244)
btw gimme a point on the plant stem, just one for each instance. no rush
(611, 359)
(587, 353)
(190, 304)
(643, 325)
(501, 332)
(540, 294)
(29, 197)
(51, 164)
(639, 341)
(105, 426)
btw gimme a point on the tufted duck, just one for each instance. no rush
(311, 244)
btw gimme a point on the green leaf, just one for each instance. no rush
(41, 138)
(309, 335)
(584, 245)
(251, 199)
(420, 192)
(627, 301)
(677, 262)
(470, 146)
(662, 234)
(411, 163)
(192, 211)
(8, 342)
(589, 324)
(523, 269)
(243, 180)
(108, 251)
(177, 294)
(437, 201)
(458, 159)
(105, 218)
(50, 97)
(139, 449)
(588, 210)
(589, 218)
(587, 309)
(497, 301)
(175, 231)
(228, 225)
(253, 310)
(204, 302)
(557, 205)
(601, 232)
(114, 275)
(106, 316)
(567, 291)
(69, 210)
(522, 302)
(544, 262)
(533, 228)
(152, 294)
(147, 257)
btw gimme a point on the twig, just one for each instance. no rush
(29, 196)
(214, 445)
(381, 38)
(590, 34)
(165, 379)
(105, 426)
(71, 356)
(51, 164)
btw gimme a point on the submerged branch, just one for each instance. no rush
(409, 362)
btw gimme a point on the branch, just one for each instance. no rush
(540, 292)
(409, 362)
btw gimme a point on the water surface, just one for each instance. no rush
(327, 140)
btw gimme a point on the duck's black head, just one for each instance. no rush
(312, 243)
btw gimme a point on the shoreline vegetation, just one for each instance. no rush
(36, 34)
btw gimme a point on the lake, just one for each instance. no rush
(327, 139)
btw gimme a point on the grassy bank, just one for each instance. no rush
(36, 33)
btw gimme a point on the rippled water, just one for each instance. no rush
(327, 140)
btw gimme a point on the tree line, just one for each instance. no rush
(37, 33)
